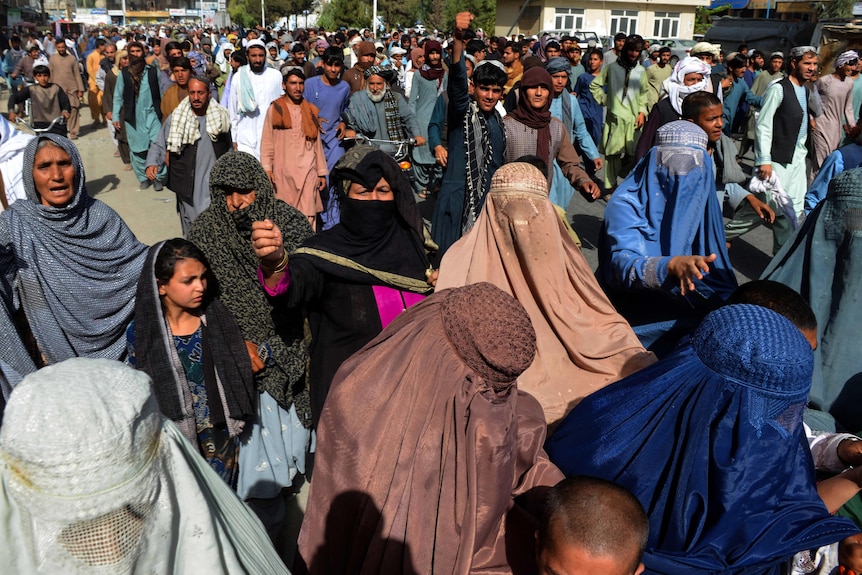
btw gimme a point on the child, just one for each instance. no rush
(589, 526)
(48, 102)
(192, 348)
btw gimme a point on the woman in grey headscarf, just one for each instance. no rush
(67, 261)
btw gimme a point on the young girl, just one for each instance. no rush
(192, 348)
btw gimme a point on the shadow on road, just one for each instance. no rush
(747, 260)
(104, 184)
(588, 228)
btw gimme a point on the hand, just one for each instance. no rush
(850, 452)
(442, 155)
(117, 125)
(340, 129)
(462, 22)
(763, 210)
(234, 147)
(349, 133)
(321, 183)
(81, 95)
(420, 141)
(12, 117)
(256, 363)
(688, 269)
(267, 242)
(109, 116)
(65, 114)
(639, 121)
(764, 171)
(269, 175)
(151, 172)
(590, 189)
(598, 163)
(432, 278)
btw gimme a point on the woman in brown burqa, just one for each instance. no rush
(520, 245)
(424, 443)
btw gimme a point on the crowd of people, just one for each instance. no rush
(378, 293)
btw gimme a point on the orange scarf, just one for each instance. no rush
(310, 122)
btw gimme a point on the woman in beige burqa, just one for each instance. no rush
(522, 246)
(425, 442)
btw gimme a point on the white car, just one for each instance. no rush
(679, 48)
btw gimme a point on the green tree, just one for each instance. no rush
(703, 17)
(349, 13)
(398, 13)
(835, 9)
(247, 12)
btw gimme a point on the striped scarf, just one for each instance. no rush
(394, 123)
(477, 144)
(186, 130)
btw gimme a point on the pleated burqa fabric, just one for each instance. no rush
(521, 245)
(821, 263)
(424, 442)
(710, 441)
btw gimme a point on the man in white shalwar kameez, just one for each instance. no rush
(253, 88)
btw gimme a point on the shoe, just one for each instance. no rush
(73, 136)
(157, 186)
(146, 184)
(127, 168)
(116, 154)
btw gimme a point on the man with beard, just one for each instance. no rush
(331, 96)
(181, 69)
(767, 76)
(292, 129)
(430, 83)
(656, 74)
(512, 61)
(253, 88)
(64, 73)
(476, 140)
(194, 136)
(355, 76)
(137, 96)
(94, 59)
(625, 100)
(379, 113)
(121, 60)
(779, 146)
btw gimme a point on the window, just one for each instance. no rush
(625, 21)
(666, 24)
(569, 19)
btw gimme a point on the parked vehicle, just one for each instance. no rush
(584, 39)
(765, 34)
(679, 48)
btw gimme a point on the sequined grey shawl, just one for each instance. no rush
(73, 270)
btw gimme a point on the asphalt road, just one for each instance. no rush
(152, 215)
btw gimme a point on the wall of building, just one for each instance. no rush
(596, 17)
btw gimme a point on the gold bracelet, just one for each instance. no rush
(279, 267)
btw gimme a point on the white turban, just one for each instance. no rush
(846, 57)
(675, 86)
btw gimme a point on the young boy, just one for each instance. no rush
(590, 526)
(47, 102)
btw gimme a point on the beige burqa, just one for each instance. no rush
(520, 245)
(424, 443)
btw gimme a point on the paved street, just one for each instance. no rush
(152, 215)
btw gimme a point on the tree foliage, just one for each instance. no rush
(440, 14)
(247, 12)
(835, 9)
(703, 17)
(349, 13)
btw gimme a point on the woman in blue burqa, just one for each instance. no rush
(821, 263)
(710, 440)
(663, 256)
(68, 266)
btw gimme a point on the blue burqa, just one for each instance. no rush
(666, 207)
(710, 441)
(844, 158)
(820, 262)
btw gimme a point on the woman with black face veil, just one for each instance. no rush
(357, 276)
